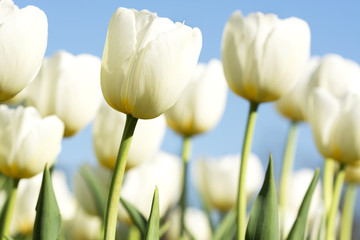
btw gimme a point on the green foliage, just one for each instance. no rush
(298, 229)
(153, 224)
(138, 219)
(48, 219)
(227, 228)
(263, 223)
(97, 192)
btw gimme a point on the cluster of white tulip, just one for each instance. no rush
(149, 78)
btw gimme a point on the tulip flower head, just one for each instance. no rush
(69, 87)
(336, 75)
(202, 104)
(196, 223)
(23, 40)
(28, 142)
(335, 125)
(217, 179)
(147, 62)
(108, 130)
(164, 172)
(263, 55)
(293, 104)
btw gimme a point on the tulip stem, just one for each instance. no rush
(288, 163)
(7, 212)
(330, 224)
(185, 156)
(241, 198)
(111, 212)
(348, 212)
(328, 183)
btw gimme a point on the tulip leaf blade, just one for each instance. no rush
(153, 224)
(226, 229)
(138, 219)
(263, 222)
(95, 190)
(298, 228)
(48, 219)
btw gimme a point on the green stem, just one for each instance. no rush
(8, 208)
(328, 183)
(348, 212)
(330, 225)
(288, 163)
(116, 181)
(241, 198)
(185, 156)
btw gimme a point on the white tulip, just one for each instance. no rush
(82, 226)
(139, 184)
(23, 40)
(293, 104)
(108, 129)
(27, 197)
(263, 55)
(147, 62)
(203, 102)
(217, 179)
(335, 125)
(68, 86)
(336, 75)
(196, 222)
(28, 142)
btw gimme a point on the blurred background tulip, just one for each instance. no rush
(67, 86)
(82, 226)
(202, 104)
(164, 171)
(255, 67)
(336, 75)
(27, 141)
(196, 223)
(293, 104)
(23, 40)
(108, 129)
(147, 62)
(335, 125)
(216, 179)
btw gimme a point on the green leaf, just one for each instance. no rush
(227, 228)
(138, 219)
(97, 192)
(48, 219)
(153, 225)
(298, 229)
(263, 223)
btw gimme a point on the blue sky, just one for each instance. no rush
(80, 27)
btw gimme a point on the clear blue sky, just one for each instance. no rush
(80, 27)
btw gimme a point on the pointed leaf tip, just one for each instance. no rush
(263, 222)
(135, 215)
(299, 226)
(153, 224)
(48, 219)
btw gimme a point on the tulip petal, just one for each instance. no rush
(21, 59)
(164, 70)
